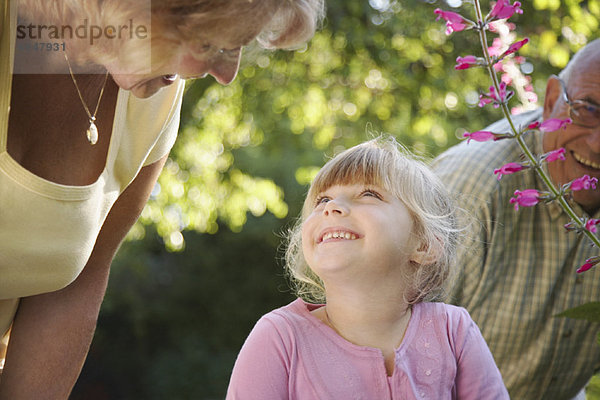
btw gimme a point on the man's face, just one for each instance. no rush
(582, 144)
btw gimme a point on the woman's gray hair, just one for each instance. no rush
(275, 24)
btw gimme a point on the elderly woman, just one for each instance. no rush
(90, 93)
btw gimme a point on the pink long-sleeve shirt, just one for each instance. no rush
(291, 354)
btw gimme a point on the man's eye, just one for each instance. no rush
(592, 109)
(585, 109)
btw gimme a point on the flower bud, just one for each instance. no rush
(525, 198)
(589, 263)
(503, 9)
(508, 169)
(454, 22)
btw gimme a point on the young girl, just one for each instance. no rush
(375, 243)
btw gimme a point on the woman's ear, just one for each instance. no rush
(427, 254)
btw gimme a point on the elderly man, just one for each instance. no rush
(518, 270)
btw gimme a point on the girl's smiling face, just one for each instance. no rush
(356, 229)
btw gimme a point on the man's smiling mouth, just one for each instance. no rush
(585, 162)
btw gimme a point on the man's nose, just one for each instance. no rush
(593, 139)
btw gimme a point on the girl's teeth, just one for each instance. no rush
(339, 235)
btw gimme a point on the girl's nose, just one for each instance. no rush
(336, 206)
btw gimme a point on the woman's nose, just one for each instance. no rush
(225, 66)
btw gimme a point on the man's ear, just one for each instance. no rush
(427, 255)
(553, 93)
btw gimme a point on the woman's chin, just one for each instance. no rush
(144, 91)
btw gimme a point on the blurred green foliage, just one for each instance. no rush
(173, 322)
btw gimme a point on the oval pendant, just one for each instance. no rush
(92, 133)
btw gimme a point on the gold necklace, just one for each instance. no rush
(92, 131)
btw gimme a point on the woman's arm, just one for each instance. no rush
(52, 332)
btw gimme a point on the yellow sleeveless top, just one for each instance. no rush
(48, 230)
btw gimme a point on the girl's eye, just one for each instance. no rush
(321, 200)
(371, 193)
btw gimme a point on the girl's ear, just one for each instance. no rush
(427, 255)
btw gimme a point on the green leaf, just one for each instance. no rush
(588, 311)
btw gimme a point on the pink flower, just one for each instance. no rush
(508, 169)
(584, 183)
(494, 49)
(516, 46)
(502, 92)
(589, 263)
(554, 124)
(483, 100)
(533, 125)
(525, 198)
(465, 62)
(591, 223)
(558, 154)
(483, 136)
(454, 22)
(496, 98)
(502, 10)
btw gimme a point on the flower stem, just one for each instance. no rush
(517, 134)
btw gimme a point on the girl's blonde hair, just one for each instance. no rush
(385, 163)
(274, 23)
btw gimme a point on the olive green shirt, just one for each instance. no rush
(517, 271)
